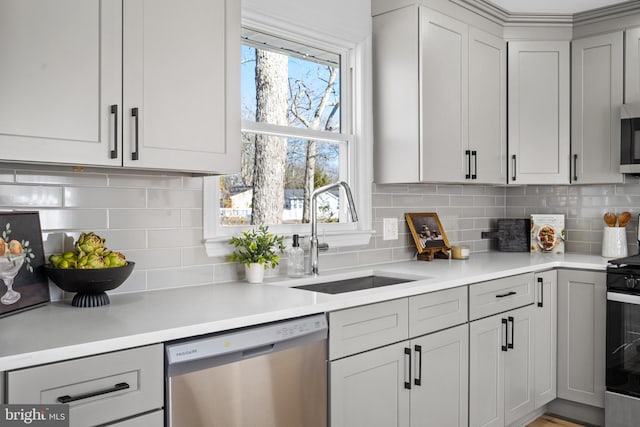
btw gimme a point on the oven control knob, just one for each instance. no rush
(630, 281)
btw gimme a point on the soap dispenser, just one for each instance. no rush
(295, 258)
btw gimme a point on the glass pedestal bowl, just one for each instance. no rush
(90, 285)
(9, 267)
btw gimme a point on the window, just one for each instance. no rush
(297, 133)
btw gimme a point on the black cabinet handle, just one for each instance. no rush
(508, 294)
(114, 111)
(575, 167)
(510, 345)
(69, 399)
(541, 300)
(134, 114)
(513, 164)
(506, 330)
(407, 384)
(418, 379)
(474, 175)
(468, 154)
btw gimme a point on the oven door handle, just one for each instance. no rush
(624, 298)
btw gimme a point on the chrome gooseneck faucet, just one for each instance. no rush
(314, 220)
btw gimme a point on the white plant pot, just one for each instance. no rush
(254, 272)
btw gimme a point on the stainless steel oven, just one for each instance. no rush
(622, 397)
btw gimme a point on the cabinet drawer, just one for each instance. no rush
(437, 310)
(100, 389)
(366, 327)
(496, 296)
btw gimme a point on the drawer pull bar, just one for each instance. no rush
(135, 115)
(508, 294)
(69, 399)
(513, 325)
(407, 384)
(418, 379)
(541, 301)
(506, 340)
(114, 111)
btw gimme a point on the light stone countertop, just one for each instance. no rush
(59, 331)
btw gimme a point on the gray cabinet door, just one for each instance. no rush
(440, 397)
(368, 389)
(597, 86)
(632, 65)
(581, 336)
(61, 73)
(545, 338)
(487, 107)
(539, 109)
(486, 372)
(444, 53)
(187, 93)
(518, 364)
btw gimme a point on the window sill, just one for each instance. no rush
(217, 247)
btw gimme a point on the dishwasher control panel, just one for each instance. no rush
(251, 340)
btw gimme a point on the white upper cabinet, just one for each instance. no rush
(539, 111)
(487, 107)
(632, 65)
(61, 73)
(597, 86)
(181, 78)
(444, 90)
(153, 86)
(439, 99)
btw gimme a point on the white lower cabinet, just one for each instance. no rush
(545, 337)
(501, 368)
(419, 382)
(581, 336)
(125, 385)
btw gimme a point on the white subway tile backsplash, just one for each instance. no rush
(177, 237)
(162, 198)
(62, 178)
(191, 218)
(86, 197)
(195, 256)
(155, 258)
(144, 218)
(73, 219)
(145, 181)
(7, 175)
(183, 276)
(30, 196)
(124, 240)
(156, 220)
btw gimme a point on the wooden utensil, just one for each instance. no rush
(610, 219)
(623, 219)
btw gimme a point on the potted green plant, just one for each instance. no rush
(257, 250)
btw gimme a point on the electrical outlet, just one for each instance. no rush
(390, 229)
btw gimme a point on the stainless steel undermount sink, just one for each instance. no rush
(353, 284)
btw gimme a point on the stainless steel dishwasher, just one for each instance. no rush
(272, 375)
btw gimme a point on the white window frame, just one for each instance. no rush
(356, 126)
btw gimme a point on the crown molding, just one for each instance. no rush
(605, 13)
(497, 14)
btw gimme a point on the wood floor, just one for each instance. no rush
(549, 421)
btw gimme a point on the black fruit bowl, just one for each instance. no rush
(89, 284)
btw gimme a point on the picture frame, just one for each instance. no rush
(428, 235)
(23, 282)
